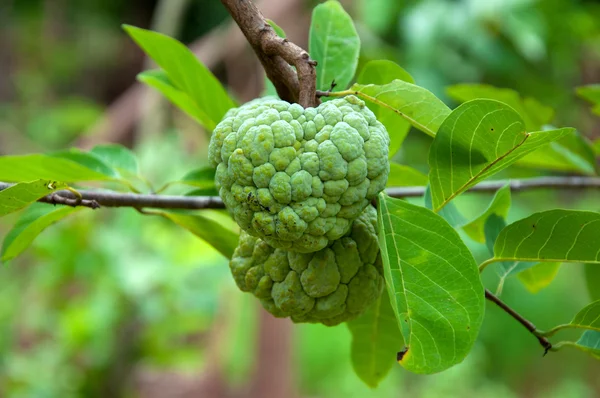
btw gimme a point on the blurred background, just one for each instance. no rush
(110, 304)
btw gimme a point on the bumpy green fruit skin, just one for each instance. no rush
(295, 177)
(330, 286)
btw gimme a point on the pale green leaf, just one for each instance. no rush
(538, 276)
(280, 32)
(31, 223)
(405, 176)
(63, 167)
(383, 72)
(499, 206)
(23, 194)
(186, 73)
(375, 335)
(437, 295)
(478, 139)
(423, 110)
(118, 157)
(334, 43)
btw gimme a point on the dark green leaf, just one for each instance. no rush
(432, 277)
(423, 110)
(374, 336)
(383, 72)
(405, 176)
(539, 276)
(118, 157)
(500, 205)
(32, 222)
(478, 139)
(592, 279)
(334, 44)
(185, 73)
(23, 194)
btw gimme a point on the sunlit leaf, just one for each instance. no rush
(383, 72)
(32, 222)
(434, 283)
(374, 336)
(405, 176)
(499, 205)
(478, 139)
(23, 194)
(539, 276)
(186, 73)
(334, 44)
(423, 110)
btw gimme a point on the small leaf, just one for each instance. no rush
(214, 228)
(201, 178)
(499, 206)
(588, 317)
(478, 139)
(186, 73)
(592, 279)
(423, 110)
(591, 93)
(449, 213)
(438, 297)
(551, 236)
(280, 32)
(21, 195)
(374, 336)
(334, 44)
(539, 276)
(383, 72)
(32, 222)
(118, 157)
(590, 342)
(405, 176)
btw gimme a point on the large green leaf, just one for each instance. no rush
(592, 279)
(539, 276)
(499, 206)
(478, 139)
(405, 176)
(216, 229)
(23, 194)
(32, 222)
(423, 110)
(186, 73)
(382, 72)
(437, 295)
(551, 236)
(374, 336)
(572, 153)
(334, 44)
(592, 94)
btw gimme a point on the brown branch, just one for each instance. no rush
(277, 55)
(527, 324)
(94, 199)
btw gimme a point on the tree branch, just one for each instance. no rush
(95, 199)
(527, 324)
(276, 55)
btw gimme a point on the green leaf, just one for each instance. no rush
(538, 276)
(374, 336)
(590, 343)
(118, 157)
(405, 176)
(596, 147)
(186, 73)
(438, 297)
(449, 213)
(334, 44)
(423, 110)
(216, 229)
(591, 93)
(280, 32)
(202, 178)
(592, 279)
(383, 72)
(32, 222)
(551, 236)
(499, 206)
(159, 80)
(478, 139)
(23, 194)
(588, 317)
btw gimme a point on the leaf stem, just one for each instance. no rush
(487, 262)
(555, 329)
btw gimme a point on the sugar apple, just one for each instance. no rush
(330, 286)
(295, 177)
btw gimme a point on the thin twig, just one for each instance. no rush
(118, 199)
(527, 324)
(277, 55)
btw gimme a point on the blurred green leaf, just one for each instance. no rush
(587, 318)
(439, 313)
(588, 342)
(478, 139)
(23, 194)
(592, 279)
(553, 235)
(30, 224)
(117, 157)
(280, 32)
(538, 276)
(210, 229)
(449, 213)
(405, 176)
(591, 93)
(202, 178)
(334, 44)
(63, 166)
(374, 336)
(499, 205)
(186, 73)
(596, 147)
(383, 72)
(211, 191)
(423, 110)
